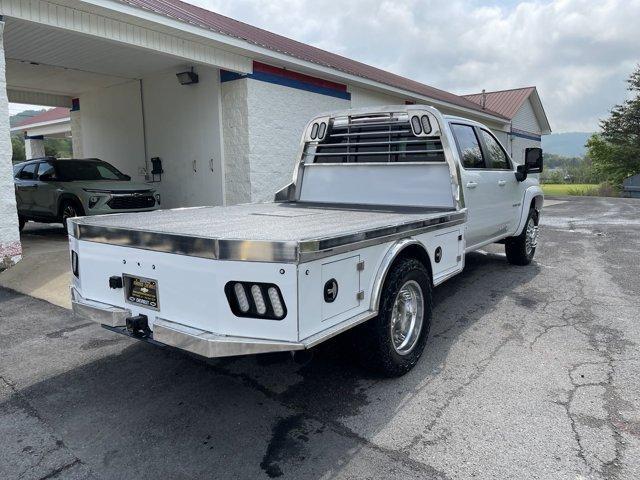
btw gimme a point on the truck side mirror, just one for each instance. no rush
(533, 160)
(532, 163)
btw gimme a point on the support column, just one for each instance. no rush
(76, 129)
(10, 247)
(33, 146)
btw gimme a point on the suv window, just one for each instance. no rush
(469, 146)
(497, 157)
(28, 172)
(46, 168)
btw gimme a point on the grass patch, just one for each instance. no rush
(570, 189)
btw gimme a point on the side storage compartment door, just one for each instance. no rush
(340, 287)
(328, 292)
(446, 252)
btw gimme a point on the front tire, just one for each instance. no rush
(21, 222)
(521, 249)
(393, 341)
(70, 209)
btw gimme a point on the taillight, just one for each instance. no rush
(255, 300)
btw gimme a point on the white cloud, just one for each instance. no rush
(577, 52)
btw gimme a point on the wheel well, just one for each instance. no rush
(415, 251)
(412, 250)
(69, 198)
(536, 203)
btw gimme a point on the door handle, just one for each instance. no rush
(472, 184)
(502, 183)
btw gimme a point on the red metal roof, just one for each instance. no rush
(57, 113)
(209, 20)
(504, 102)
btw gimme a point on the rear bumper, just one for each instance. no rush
(200, 342)
(101, 313)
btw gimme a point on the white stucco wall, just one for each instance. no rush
(76, 134)
(361, 97)
(111, 130)
(235, 133)
(277, 118)
(10, 248)
(183, 126)
(33, 148)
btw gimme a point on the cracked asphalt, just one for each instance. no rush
(530, 372)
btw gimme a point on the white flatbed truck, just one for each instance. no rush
(383, 206)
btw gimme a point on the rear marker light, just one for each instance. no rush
(274, 298)
(241, 296)
(426, 124)
(416, 126)
(258, 299)
(255, 300)
(75, 268)
(322, 130)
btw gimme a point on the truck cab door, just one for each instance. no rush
(478, 187)
(25, 187)
(506, 192)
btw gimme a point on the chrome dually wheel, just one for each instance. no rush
(407, 317)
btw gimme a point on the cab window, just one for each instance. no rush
(28, 172)
(46, 168)
(468, 145)
(496, 157)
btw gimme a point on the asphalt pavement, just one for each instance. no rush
(530, 373)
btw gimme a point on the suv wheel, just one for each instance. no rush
(395, 339)
(70, 209)
(21, 222)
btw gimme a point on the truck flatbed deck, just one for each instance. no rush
(277, 232)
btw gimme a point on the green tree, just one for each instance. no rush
(17, 145)
(615, 152)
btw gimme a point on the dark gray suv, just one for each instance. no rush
(52, 190)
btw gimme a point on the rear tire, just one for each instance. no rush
(70, 209)
(521, 249)
(393, 342)
(21, 222)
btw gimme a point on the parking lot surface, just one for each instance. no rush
(530, 372)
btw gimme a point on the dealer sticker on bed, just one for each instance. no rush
(143, 292)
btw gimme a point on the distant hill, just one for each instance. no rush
(566, 144)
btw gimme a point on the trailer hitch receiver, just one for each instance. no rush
(138, 326)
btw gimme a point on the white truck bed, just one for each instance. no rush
(276, 232)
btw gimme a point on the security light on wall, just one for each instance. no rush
(187, 78)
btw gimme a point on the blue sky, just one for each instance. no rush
(577, 52)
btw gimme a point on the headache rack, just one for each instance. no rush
(380, 138)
